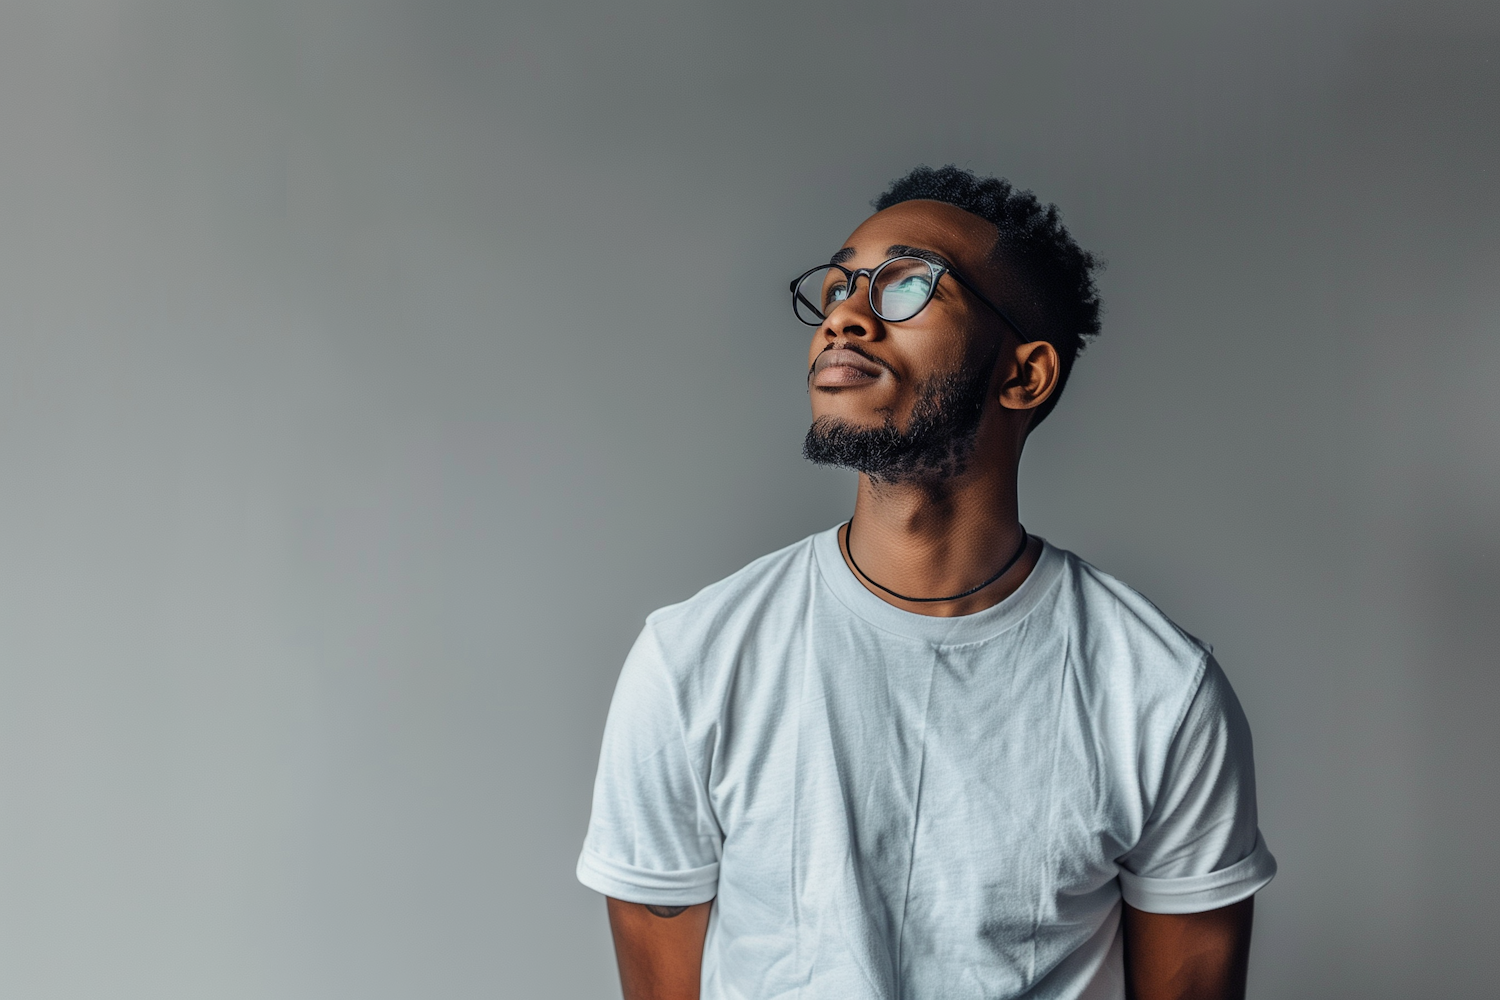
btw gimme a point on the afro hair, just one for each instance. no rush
(1052, 291)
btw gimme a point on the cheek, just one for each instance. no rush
(931, 350)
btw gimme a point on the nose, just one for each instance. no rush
(853, 318)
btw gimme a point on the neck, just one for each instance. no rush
(939, 537)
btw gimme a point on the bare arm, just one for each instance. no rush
(659, 948)
(1188, 956)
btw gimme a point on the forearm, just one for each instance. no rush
(659, 949)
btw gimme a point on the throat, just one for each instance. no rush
(945, 556)
(993, 578)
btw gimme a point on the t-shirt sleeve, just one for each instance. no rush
(1201, 848)
(652, 835)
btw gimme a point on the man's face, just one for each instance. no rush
(905, 400)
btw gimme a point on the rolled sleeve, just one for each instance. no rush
(1196, 893)
(645, 885)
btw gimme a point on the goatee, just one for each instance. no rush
(936, 444)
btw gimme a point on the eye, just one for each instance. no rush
(836, 293)
(904, 296)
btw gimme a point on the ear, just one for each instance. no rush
(1032, 377)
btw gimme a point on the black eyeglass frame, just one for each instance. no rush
(938, 270)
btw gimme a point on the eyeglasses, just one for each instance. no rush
(899, 289)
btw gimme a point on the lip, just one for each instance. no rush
(840, 368)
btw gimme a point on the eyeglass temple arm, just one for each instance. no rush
(983, 298)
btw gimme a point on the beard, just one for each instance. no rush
(936, 444)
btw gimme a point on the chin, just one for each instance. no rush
(857, 411)
(861, 417)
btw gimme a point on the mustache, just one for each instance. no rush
(853, 348)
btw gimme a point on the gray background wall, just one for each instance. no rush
(369, 370)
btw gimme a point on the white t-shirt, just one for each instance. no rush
(891, 806)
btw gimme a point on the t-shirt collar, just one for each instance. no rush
(977, 627)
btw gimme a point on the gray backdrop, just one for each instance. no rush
(369, 371)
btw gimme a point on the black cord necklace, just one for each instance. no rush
(849, 550)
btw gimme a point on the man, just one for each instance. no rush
(925, 754)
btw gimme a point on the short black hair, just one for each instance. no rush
(1057, 300)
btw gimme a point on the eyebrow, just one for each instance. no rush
(896, 250)
(902, 250)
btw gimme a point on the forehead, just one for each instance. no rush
(962, 237)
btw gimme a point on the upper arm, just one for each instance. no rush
(1189, 882)
(659, 949)
(1200, 848)
(1188, 956)
(653, 835)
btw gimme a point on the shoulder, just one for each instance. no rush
(1125, 642)
(769, 594)
(760, 583)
